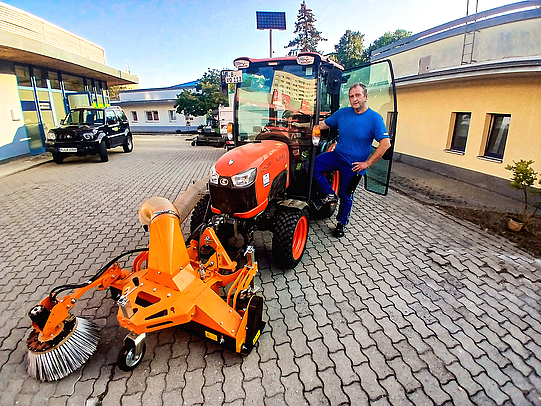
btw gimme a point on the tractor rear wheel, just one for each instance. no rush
(199, 213)
(289, 237)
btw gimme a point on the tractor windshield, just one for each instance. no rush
(276, 99)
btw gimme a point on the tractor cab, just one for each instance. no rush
(284, 99)
(264, 182)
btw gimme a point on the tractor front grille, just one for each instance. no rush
(233, 200)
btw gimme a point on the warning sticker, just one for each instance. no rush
(256, 337)
(211, 336)
(266, 180)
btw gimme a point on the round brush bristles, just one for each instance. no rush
(67, 356)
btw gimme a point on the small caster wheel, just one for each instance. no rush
(127, 359)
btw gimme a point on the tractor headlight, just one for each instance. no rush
(245, 178)
(51, 136)
(214, 175)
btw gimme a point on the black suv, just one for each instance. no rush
(88, 131)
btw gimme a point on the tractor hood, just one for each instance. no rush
(260, 155)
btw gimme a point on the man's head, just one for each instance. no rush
(358, 96)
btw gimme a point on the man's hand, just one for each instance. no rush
(383, 146)
(359, 166)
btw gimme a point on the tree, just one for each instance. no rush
(349, 50)
(308, 37)
(386, 39)
(207, 96)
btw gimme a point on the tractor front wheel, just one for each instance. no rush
(199, 213)
(289, 237)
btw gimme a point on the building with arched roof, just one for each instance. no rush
(469, 95)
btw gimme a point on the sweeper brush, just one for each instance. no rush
(196, 286)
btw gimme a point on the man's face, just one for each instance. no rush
(357, 98)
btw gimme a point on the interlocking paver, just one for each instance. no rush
(416, 308)
(369, 381)
(491, 388)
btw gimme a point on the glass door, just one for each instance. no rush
(379, 80)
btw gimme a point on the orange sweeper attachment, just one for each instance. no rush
(195, 286)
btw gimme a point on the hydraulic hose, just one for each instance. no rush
(100, 272)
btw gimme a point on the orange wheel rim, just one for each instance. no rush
(299, 237)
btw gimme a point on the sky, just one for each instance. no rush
(168, 42)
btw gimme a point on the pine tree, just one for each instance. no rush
(307, 35)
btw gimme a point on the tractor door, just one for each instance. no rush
(379, 80)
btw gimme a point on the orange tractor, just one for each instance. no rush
(264, 182)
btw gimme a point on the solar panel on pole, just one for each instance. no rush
(271, 20)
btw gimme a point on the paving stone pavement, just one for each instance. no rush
(411, 307)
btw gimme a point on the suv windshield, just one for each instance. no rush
(272, 98)
(84, 116)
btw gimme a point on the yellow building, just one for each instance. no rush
(469, 95)
(45, 70)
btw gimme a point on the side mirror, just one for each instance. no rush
(111, 121)
(334, 80)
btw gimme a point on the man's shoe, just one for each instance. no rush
(339, 230)
(330, 198)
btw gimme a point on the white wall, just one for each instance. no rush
(164, 123)
(12, 132)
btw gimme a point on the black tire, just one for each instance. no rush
(199, 213)
(126, 361)
(104, 157)
(58, 158)
(128, 144)
(289, 237)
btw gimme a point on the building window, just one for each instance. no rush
(73, 83)
(152, 115)
(134, 116)
(39, 77)
(53, 79)
(497, 135)
(23, 75)
(172, 115)
(460, 132)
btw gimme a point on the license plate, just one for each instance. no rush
(67, 149)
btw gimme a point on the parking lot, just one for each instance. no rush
(411, 307)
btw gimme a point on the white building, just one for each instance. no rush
(152, 110)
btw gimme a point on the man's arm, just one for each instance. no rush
(383, 146)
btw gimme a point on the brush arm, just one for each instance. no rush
(59, 311)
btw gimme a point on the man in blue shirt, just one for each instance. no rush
(357, 127)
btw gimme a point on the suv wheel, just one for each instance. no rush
(128, 144)
(103, 152)
(289, 237)
(58, 157)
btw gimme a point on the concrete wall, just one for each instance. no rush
(520, 39)
(12, 135)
